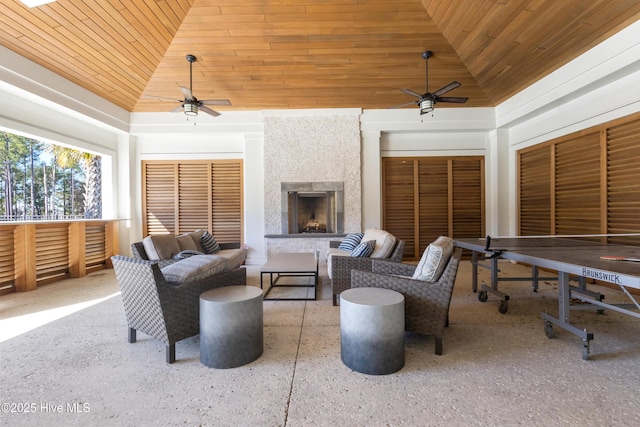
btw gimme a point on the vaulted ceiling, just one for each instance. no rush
(286, 54)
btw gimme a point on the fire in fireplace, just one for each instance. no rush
(312, 207)
(311, 212)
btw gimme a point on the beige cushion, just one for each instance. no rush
(385, 242)
(434, 259)
(161, 246)
(194, 268)
(331, 252)
(234, 257)
(186, 243)
(196, 235)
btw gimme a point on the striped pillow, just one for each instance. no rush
(364, 249)
(351, 241)
(209, 243)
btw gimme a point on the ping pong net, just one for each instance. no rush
(618, 249)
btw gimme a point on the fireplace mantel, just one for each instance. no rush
(305, 236)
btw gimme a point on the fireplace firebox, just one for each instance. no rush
(312, 207)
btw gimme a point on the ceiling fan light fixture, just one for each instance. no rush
(426, 106)
(191, 108)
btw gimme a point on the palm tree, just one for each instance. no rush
(92, 167)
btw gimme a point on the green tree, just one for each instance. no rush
(13, 152)
(92, 167)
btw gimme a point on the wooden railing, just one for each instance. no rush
(40, 252)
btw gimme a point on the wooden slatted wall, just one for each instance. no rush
(399, 200)
(193, 197)
(52, 251)
(584, 183)
(535, 191)
(433, 197)
(159, 197)
(226, 200)
(183, 196)
(577, 185)
(426, 197)
(468, 197)
(623, 180)
(7, 261)
(95, 244)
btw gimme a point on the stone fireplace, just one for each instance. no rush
(318, 155)
(312, 207)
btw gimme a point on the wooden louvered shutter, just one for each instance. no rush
(159, 197)
(433, 176)
(535, 191)
(577, 185)
(468, 197)
(95, 244)
(184, 196)
(52, 251)
(193, 197)
(399, 216)
(7, 260)
(428, 197)
(226, 200)
(623, 186)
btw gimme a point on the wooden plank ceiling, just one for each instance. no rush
(285, 54)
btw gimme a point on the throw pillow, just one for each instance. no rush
(434, 260)
(186, 254)
(186, 243)
(209, 243)
(160, 246)
(364, 249)
(350, 241)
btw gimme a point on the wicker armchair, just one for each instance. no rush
(426, 303)
(341, 267)
(167, 312)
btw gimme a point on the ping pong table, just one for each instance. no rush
(571, 258)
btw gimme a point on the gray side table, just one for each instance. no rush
(372, 330)
(231, 326)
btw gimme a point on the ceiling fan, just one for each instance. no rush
(191, 104)
(428, 100)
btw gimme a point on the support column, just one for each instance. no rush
(371, 180)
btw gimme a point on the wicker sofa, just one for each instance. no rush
(426, 303)
(164, 248)
(167, 311)
(161, 284)
(340, 263)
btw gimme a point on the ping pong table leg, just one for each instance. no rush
(564, 317)
(494, 273)
(474, 271)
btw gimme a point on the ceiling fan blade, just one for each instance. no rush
(179, 109)
(215, 102)
(451, 86)
(209, 111)
(412, 93)
(405, 104)
(454, 99)
(187, 94)
(163, 98)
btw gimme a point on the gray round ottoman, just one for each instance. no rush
(372, 330)
(231, 321)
